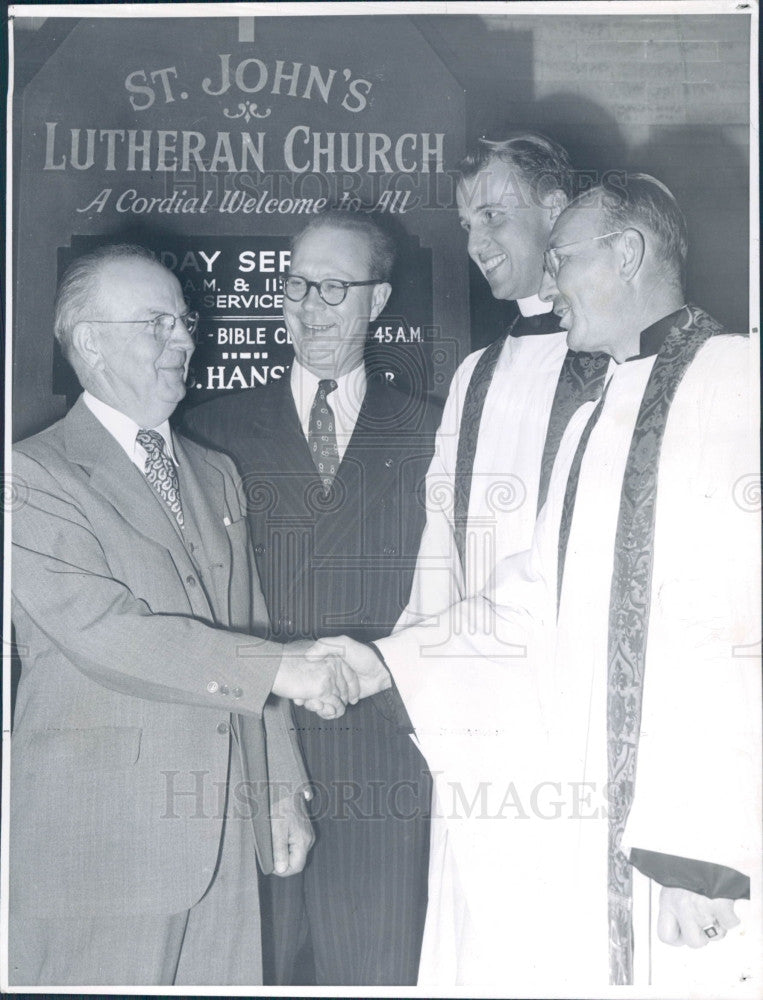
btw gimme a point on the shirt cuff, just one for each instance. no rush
(713, 881)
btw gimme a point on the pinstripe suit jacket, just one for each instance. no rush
(343, 564)
(336, 566)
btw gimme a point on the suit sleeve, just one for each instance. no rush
(63, 582)
(285, 765)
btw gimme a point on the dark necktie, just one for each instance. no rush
(570, 493)
(321, 434)
(160, 472)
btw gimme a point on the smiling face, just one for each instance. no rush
(330, 340)
(136, 372)
(586, 293)
(508, 227)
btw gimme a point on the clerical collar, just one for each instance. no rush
(533, 305)
(535, 317)
(653, 337)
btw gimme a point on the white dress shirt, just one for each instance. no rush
(124, 430)
(345, 400)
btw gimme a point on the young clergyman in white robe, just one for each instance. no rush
(506, 411)
(508, 404)
(523, 697)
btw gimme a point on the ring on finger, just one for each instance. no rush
(711, 930)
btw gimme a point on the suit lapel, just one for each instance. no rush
(282, 427)
(371, 420)
(202, 490)
(114, 476)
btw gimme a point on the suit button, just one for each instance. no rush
(259, 548)
(365, 620)
(213, 687)
(224, 689)
(389, 550)
(223, 728)
(190, 580)
(389, 462)
(191, 546)
(237, 692)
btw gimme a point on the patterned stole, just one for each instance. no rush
(468, 433)
(630, 599)
(571, 491)
(581, 380)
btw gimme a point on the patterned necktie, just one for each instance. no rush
(321, 434)
(160, 472)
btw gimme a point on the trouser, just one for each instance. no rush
(361, 901)
(214, 943)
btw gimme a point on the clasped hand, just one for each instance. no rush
(330, 674)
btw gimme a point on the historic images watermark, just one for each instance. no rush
(194, 795)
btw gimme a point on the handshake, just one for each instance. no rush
(327, 675)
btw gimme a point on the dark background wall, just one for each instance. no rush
(666, 94)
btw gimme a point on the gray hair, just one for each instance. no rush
(641, 201)
(78, 289)
(381, 247)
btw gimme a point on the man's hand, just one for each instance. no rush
(684, 915)
(363, 669)
(292, 834)
(321, 679)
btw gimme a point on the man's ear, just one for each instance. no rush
(555, 200)
(85, 343)
(379, 298)
(632, 253)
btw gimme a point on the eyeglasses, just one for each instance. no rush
(162, 326)
(552, 261)
(333, 291)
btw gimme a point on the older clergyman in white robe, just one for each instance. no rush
(595, 712)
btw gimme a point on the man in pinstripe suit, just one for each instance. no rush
(332, 460)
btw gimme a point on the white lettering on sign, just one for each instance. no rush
(240, 378)
(304, 150)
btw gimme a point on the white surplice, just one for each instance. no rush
(501, 516)
(509, 706)
(505, 476)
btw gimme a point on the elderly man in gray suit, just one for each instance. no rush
(152, 758)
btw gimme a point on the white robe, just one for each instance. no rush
(501, 516)
(505, 477)
(509, 707)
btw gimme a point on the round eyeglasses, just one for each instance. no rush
(552, 259)
(333, 291)
(162, 325)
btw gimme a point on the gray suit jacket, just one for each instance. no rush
(139, 679)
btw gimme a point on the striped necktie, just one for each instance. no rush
(321, 434)
(160, 472)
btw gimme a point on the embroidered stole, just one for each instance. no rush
(630, 598)
(581, 380)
